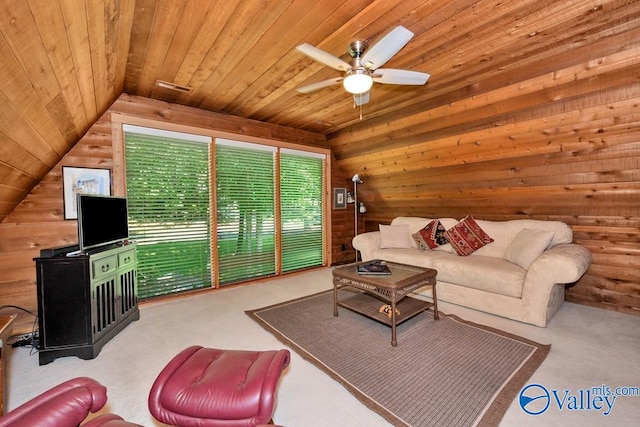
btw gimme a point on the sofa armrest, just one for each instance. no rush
(564, 263)
(367, 244)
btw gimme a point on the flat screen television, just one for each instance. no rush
(102, 220)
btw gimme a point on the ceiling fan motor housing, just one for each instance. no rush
(356, 48)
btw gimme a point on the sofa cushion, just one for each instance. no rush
(489, 274)
(467, 236)
(503, 233)
(394, 236)
(417, 223)
(410, 256)
(431, 236)
(415, 257)
(527, 246)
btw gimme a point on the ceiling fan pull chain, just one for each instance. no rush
(358, 102)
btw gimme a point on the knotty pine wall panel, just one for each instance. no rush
(38, 221)
(559, 146)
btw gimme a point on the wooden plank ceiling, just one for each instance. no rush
(65, 61)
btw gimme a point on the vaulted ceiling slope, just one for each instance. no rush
(64, 62)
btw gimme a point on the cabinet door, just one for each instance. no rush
(128, 295)
(104, 305)
(103, 293)
(63, 297)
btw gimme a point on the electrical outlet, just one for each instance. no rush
(22, 337)
(23, 340)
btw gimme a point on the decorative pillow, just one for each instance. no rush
(431, 236)
(394, 236)
(527, 246)
(466, 237)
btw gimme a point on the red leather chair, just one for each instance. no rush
(65, 405)
(206, 387)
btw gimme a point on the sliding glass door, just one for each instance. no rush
(245, 206)
(168, 185)
(301, 207)
(210, 213)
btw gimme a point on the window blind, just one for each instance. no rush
(301, 201)
(168, 194)
(245, 203)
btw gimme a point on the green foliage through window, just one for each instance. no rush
(170, 210)
(245, 203)
(301, 178)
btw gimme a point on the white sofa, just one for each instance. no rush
(509, 277)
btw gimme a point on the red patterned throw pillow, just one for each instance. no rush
(466, 237)
(431, 236)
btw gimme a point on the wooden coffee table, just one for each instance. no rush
(379, 290)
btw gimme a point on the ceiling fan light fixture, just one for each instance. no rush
(357, 82)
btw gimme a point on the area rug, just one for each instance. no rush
(446, 372)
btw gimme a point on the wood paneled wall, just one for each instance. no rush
(560, 142)
(38, 221)
(343, 220)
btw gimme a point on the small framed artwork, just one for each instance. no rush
(339, 198)
(83, 181)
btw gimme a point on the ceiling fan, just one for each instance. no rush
(364, 68)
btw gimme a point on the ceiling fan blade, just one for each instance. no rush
(400, 77)
(388, 46)
(319, 85)
(361, 98)
(324, 57)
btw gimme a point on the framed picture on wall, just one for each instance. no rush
(339, 198)
(83, 181)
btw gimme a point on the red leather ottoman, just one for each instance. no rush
(211, 387)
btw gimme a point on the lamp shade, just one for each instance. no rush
(358, 82)
(350, 198)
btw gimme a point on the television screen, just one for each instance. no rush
(102, 220)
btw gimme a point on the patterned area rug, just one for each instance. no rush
(445, 372)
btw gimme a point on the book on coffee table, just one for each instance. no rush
(374, 268)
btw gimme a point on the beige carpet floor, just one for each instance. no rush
(589, 347)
